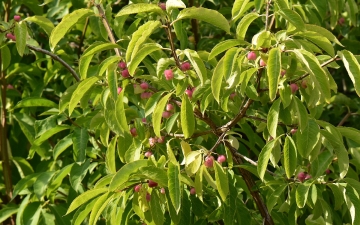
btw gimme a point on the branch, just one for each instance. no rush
(168, 32)
(267, 15)
(57, 58)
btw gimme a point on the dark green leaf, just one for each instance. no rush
(187, 117)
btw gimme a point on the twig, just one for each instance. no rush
(168, 32)
(267, 15)
(220, 139)
(57, 58)
(82, 37)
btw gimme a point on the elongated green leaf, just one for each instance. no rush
(264, 157)
(199, 184)
(139, 8)
(83, 212)
(174, 185)
(23, 166)
(35, 102)
(106, 63)
(20, 213)
(49, 133)
(6, 57)
(353, 68)
(66, 23)
(207, 15)
(140, 56)
(274, 197)
(155, 174)
(353, 11)
(31, 213)
(318, 39)
(112, 79)
(244, 24)
(24, 183)
(43, 22)
(238, 9)
(301, 113)
(282, 4)
(139, 37)
(292, 17)
(78, 173)
(62, 145)
(110, 156)
(198, 64)
(157, 115)
(273, 71)
(58, 179)
(85, 61)
(99, 48)
(84, 197)
(223, 46)
(187, 117)
(151, 103)
(273, 118)
(302, 192)
(216, 79)
(230, 60)
(307, 138)
(156, 210)
(175, 4)
(42, 183)
(324, 32)
(290, 156)
(80, 139)
(350, 133)
(26, 124)
(124, 173)
(80, 91)
(99, 206)
(6, 212)
(20, 34)
(222, 181)
(321, 163)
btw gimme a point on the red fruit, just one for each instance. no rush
(148, 197)
(145, 95)
(137, 188)
(162, 191)
(169, 75)
(341, 21)
(133, 132)
(143, 120)
(209, 161)
(301, 176)
(125, 73)
(189, 93)
(152, 184)
(327, 171)
(221, 159)
(152, 141)
(169, 107)
(283, 72)
(304, 84)
(308, 176)
(144, 85)
(251, 56)
(122, 65)
(119, 90)
(9, 86)
(161, 140)
(192, 191)
(262, 63)
(232, 95)
(293, 131)
(148, 154)
(162, 5)
(17, 18)
(10, 36)
(294, 88)
(166, 114)
(185, 66)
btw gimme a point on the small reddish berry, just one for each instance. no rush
(145, 95)
(122, 65)
(9, 86)
(133, 132)
(169, 107)
(161, 140)
(301, 176)
(152, 184)
(125, 73)
(169, 75)
(144, 85)
(294, 88)
(166, 114)
(209, 161)
(119, 89)
(152, 141)
(304, 84)
(137, 188)
(162, 5)
(10, 36)
(283, 72)
(148, 197)
(232, 95)
(17, 18)
(148, 154)
(221, 159)
(143, 120)
(341, 21)
(189, 93)
(162, 191)
(251, 56)
(185, 66)
(293, 131)
(192, 191)
(308, 176)
(327, 171)
(262, 63)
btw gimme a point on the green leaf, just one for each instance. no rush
(239, 7)
(26, 124)
(83, 212)
(318, 39)
(244, 24)
(99, 207)
(24, 183)
(324, 32)
(273, 118)
(350, 133)
(156, 174)
(43, 22)
(31, 213)
(124, 173)
(174, 185)
(290, 156)
(353, 11)
(264, 157)
(273, 71)
(35, 102)
(321, 163)
(6, 57)
(6, 212)
(20, 212)
(151, 103)
(222, 181)
(197, 64)
(62, 145)
(106, 63)
(274, 197)
(139, 37)
(85, 61)
(198, 184)
(98, 48)
(23, 166)
(216, 79)
(141, 54)
(338, 196)
(187, 117)
(111, 156)
(139, 8)
(66, 23)
(80, 91)
(49, 133)
(112, 79)
(282, 4)
(317, 74)
(80, 139)
(229, 62)
(157, 115)
(353, 68)
(301, 113)
(156, 209)
(42, 183)
(58, 179)
(207, 15)
(293, 17)
(302, 192)
(21, 35)
(306, 140)
(223, 46)
(77, 174)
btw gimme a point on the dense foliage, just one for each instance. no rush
(179, 112)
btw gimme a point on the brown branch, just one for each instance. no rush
(168, 32)
(57, 58)
(194, 27)
(81, 42)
